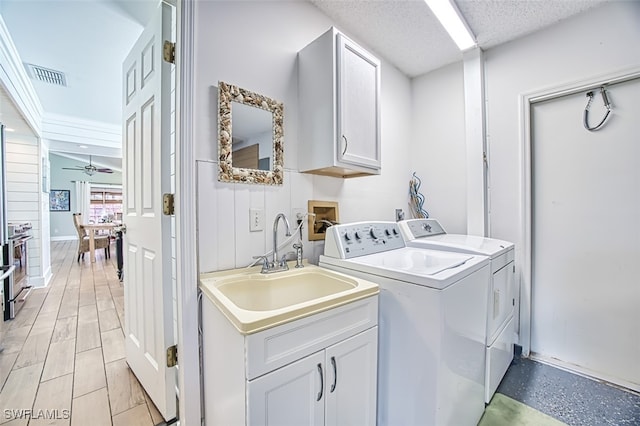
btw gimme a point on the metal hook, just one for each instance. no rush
(607, 105)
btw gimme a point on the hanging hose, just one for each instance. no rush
(416, 199)
(607, 105)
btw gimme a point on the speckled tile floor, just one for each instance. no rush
(570, 398)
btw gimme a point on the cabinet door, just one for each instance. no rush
(358, 87)
(292, 395)
(352, 380)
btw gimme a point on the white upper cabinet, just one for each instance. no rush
(339, 95)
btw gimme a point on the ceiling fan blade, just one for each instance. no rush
(74, 168)
(104, 170)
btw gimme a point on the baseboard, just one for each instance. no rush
(585, 372)
(65, 238)
(41, 281)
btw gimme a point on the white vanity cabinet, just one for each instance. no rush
(336, 386)
(339, 99)
(317, 370)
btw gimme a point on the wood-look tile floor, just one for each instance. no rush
(63, 361)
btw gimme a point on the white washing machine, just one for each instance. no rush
(432, 311)
(429, 234)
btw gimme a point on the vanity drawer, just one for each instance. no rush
(278, 346)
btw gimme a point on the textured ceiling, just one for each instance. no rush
(407, 34)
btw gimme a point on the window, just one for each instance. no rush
(105, 204)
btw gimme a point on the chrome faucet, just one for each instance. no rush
(277, 264)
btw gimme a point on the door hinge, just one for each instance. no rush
(168, 204)
(172, 356)
(169, 52)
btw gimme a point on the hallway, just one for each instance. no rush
(64, 354)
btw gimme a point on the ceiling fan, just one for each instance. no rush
(89, 169)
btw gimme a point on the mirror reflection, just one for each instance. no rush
(251, 142)
(250, 137)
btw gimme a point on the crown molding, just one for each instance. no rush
(57, 127)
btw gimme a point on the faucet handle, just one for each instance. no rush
(283, 259)
(265, 262)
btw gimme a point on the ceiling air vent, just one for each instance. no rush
(46, 75)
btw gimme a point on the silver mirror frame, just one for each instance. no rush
(228, 93)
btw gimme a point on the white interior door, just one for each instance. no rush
(586, 238)
(147, 252)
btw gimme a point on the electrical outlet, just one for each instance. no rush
(256, 220)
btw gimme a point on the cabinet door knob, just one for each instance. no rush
(346, 144)
(335, 374)
(321, 383)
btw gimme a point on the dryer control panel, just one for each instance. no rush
(420, 228)
(361, 238)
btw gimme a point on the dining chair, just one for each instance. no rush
(101, 241)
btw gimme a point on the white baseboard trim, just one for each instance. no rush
(65, 238)
(41, 281)
(585, 372)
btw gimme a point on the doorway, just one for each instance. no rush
(585, 237)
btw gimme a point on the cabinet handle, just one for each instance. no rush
(335, 374)
(346, 144)
(321, 383)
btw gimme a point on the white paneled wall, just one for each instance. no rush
(23, 196)
(225, 241)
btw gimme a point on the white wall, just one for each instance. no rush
(438, 150)
(61, 223)
(254, 45)
(600, 42)
(45, 223)
(575, 50)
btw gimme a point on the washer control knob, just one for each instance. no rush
(373, 233)
(387, 232)
(347, 235)
(357, 235)
(395, 231)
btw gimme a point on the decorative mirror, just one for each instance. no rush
(250, 137)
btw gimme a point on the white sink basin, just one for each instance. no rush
(253, 301)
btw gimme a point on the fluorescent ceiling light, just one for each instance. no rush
(450, 18)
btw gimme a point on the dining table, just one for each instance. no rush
(91, 230)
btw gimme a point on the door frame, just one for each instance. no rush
(524, 259)
(189, 388)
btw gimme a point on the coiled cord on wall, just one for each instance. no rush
(416, 199)
(607, 105)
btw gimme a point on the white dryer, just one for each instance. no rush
(429, 234)
(432, 311)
